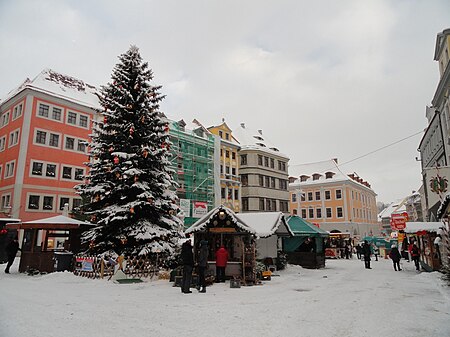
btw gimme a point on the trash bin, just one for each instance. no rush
(63, 261)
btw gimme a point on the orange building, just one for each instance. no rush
(44, 127)
(322, 194)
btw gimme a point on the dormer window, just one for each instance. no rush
(316, 176)
(261, 144)
(329, 175)
(303, 178)
(274, 149)
(259, 138)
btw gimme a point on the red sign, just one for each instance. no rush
(398, 221)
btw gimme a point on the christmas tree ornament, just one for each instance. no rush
(116, 160)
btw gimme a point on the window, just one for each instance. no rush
(339, 212)
(236, 194)
(233, 171)
(283, 184)
(233, 155)
(316, 176)
(37, 169)
(48, 203)
(51, 170)
(67, 172)
(260, 160)
(311, 213)
(227, 154)
(302, 196)
(79, 173)
(261, 204)
(56, 113)
(329, 213)
(76, 203)
(272, 163)
(71, 118)
(41, 137)
(2, 143)
(281, 166)
(33, 202)
(294, 197)
(283, 206)
(14, 138)
(43, 110)
(221, 169)
(222, 193)
(318, 213)
(338, 194)
(5, 119)
(81, 146)
(310, 196)
(261, 180)
(62, 202)
(9, 169)
(269, 205)
(70, 143)
(245, 204)
(303, 178)
(6, 201)
(220, 134)
(317, 195)
(227, 169)
(304, 213)
(17, 112)
(243, 159)
(267, 182)
(227, 136)
(329, 175)
(266, 161)
(54, 140)
(83, 121)
(327, 195)
(244, 179)
(294, 211)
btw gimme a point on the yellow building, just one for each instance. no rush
(322, 194)
(230, 184)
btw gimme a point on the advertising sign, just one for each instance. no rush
(200, 209)
(84, 264)
(185, 206)
(398, 221)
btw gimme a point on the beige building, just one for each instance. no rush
(263, 171)
(322, 194)
(230, 184)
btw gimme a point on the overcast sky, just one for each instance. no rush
(322, 79)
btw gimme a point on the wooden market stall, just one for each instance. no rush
(424, 234)
(307, 247)
(221, 226)
(49, 244)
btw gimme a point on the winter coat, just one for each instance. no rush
(221, 257)
(186, 254)
(415, 253)
(203, 254)
(395, 254)
(12, 248)
(366, 251)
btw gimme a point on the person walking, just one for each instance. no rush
(358, 251)
(366, 253)
(395, 257)
(221, 263)
(187, 258)
(415, 256)
(11, 251)
(376, 251)
(202, 265)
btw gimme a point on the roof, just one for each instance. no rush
(397, 206)
(59, 221)
(414, 227)
(203, 222)
(250, 139)
(301, 227)
(267, 223)
(62, 86)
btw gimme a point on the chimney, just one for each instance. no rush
(243, 125)
(260, 132)
(223, 120)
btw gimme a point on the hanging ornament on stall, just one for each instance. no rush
(131, 131)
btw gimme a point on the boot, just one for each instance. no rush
(203, 290)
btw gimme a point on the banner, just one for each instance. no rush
(398, 221)
(200, 209)
(185, 206)
(84, 264)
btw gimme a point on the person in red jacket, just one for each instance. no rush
(415, 256)
(221, 263)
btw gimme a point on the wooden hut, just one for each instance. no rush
(306, 248)
(49, 244)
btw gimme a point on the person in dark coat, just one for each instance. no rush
(221, 263)
(415, 255)
(395, 257)
(187, 258)
(202, 265)
(11, 252)
(358, 251)
(366, 253)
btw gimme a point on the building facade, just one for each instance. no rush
(230, 182)
(263, 170)
(322, 194)
(44, 129)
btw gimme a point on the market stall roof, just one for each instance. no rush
(267, 223)
(301, 227)
(203, 222)
(56, 222)
(414, 227)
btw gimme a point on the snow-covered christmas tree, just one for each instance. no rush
(129, 181)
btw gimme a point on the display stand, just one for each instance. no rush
(248, 264)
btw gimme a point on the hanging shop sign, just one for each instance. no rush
(185, 206)
(200, 209)
(398, 221)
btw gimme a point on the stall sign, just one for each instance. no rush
(84, 264)
(398, 221)
(185, 206)
(200, 209)
(222, 230)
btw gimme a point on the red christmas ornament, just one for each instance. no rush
(116, 160)
(131, 130)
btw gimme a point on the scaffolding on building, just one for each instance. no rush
(192, 158)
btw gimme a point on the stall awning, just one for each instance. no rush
(267, 224)
(301, 227)
(414, 227)
(55, 223)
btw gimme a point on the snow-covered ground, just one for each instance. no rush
(344, 299)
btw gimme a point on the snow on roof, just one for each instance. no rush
(254, 139)
(397, 206)
(203, 222)
(267, 223)
(62, 86)
(59, 219)
(414, 227)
